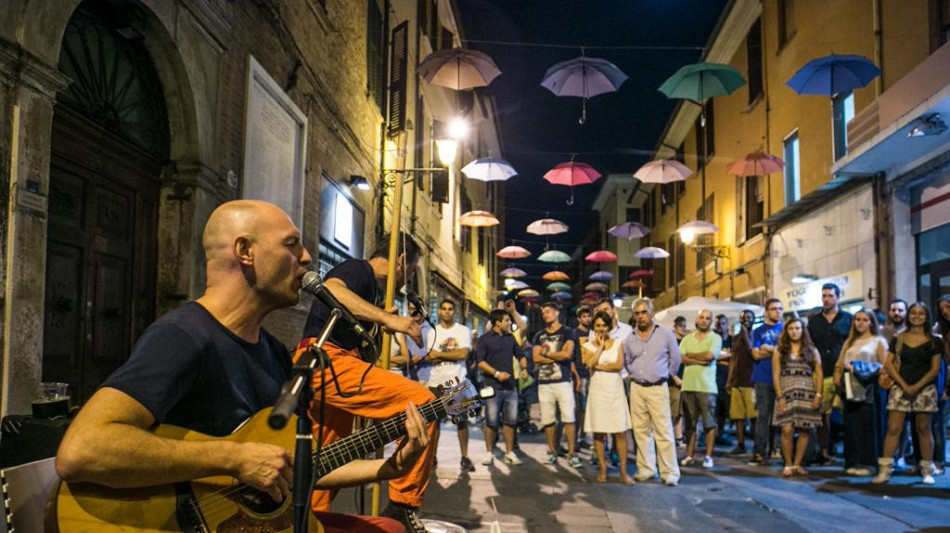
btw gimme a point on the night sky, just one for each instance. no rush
(540, 130)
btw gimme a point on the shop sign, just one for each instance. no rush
(808, 296)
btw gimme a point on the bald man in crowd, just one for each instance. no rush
(208, 366)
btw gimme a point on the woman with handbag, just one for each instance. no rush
(856, 372)
(918, 353)
(607, 410)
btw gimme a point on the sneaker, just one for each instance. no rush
(670, 482)
(738, 450)
(686, 461)
(512, 459)
(776, 454)
(575, 462)
(561, 451)
(488, 460)
(406, 516)
(850, 471)
(583, 445)
(938, 470)
(708, 462)
(900, 464)
(860, 471)
(680, 443)
(551, 459)
(757, 460)
(466, 465)
(593, 460)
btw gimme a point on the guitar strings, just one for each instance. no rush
(222, 498)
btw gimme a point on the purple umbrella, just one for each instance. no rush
(601, 275)
(629, 230)
(583, 77)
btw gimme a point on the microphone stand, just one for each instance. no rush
(298, 393)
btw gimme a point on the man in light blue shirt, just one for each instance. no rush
(700, 349)
(764, 340)
(650, 357)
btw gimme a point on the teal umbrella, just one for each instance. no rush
(699, 81)
(554, 256)
(559, 286)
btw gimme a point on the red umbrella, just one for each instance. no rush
(513, 252)
(555, 275)
(631, 284)
(570, 174)
(602, 256)
(636, 274)
(591, 296)
(756, 164)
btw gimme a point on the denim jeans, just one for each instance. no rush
(764, 404)
(505, 402)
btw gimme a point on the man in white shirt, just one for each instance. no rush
(450, 344)
(408, 357)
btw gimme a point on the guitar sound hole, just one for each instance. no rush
(257, 501)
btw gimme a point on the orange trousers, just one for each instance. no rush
(384, 395)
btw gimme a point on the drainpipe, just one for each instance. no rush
(878, 46)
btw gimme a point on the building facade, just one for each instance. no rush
(126, 122)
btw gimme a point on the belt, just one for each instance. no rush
(651, 383)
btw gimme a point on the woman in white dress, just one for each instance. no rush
(606, 403)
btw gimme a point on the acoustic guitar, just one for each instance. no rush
(221, 503)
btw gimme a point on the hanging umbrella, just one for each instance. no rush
(629, 230)
(561, 296)
(698, 227)
(756, 164)
(637, 274)
(515, 284)
(662, 171)
(699, 81)
(554, 256)
(478, 219)
(489, 169)
(584, 77)
(601, 256)
(830, 75)
(652, 252)
(528, 293)
(591, 296)
(513, 273)
(596, 286)
(631, 284)
(601, 275)
(558, 286)
(555, 275)
(513, 252)
(547, 226)
(570, 174)
(458, 68)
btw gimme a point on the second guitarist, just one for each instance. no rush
(208, 366)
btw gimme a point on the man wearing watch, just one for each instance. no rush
(496, 352)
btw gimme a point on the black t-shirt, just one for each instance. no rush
(559, 371)
(915, 362)
(359, 278)
(191, 371)
(829, 337)
(580, 337)
(498, 351)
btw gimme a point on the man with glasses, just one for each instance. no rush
(764, 340)
(651, 355)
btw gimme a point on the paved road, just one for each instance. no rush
(541, 498)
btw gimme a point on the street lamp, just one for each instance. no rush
(458, 128)
(448, 150)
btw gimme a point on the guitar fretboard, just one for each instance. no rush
(359, 444)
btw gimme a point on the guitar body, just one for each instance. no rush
(218, 504)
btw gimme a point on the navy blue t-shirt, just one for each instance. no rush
(580, 337)
(358, 276)
(559, 371)
(191, 371)
(498, 351)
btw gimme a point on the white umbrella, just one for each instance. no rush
(489, 169)
(662, 171)
(652, 252)
(547, 226)
(690, 307)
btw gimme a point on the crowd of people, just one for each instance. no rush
(801, 387)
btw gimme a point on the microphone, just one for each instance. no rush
(414, 299)
(312, 284)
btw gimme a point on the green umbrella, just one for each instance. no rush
(559, 286)
(699, 81)
(554, 256)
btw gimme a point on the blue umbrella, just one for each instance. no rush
(561, 296)
(601, 275)
(830, 75)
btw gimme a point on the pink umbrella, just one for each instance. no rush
(570, 174)
(513, 252)
(601, 256)
(636, 274)
(756, 164)
(662, 171)
(596, 286)
(591, 296)
(513, 273)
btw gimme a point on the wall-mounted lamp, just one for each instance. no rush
(358, 182)
(448, 150)
(929, 125)
(801, 279)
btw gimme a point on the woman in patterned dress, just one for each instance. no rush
(797, 376)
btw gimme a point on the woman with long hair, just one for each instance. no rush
(942, 327)
(797, 377)
(913, 361)
(607, 410)
(863, 437)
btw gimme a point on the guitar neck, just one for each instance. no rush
(361, 443)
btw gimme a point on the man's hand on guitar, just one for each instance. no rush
(265, 467)
(413, 445)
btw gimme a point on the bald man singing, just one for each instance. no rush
(208, 366)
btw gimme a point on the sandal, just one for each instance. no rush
(788, 471)
(801, 471)
(627, 480)
(601, 478)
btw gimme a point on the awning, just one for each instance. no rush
(813, 200)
